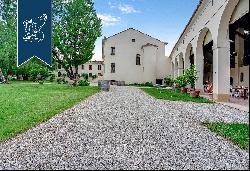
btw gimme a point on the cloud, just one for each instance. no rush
(127, 9)
(109, 20)
(124, 8)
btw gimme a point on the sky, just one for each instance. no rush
(161, 19)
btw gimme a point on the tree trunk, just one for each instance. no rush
(71, 74)
(2, 79)
(76, 72)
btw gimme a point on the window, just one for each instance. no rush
(90, 67)
(82, 67)
(59, 66)
(112, 50)
(138, 59)
(99, 67)
(90, 74)
(112, 67)
(241, 77)
(133, 40)
(100, 74)
(59, 74)
(231, 81)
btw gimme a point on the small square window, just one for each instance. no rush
(112, 67)
(112, 50)
(133, 40)
(90, 67)
(99, 67)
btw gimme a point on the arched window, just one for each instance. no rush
(138, 59)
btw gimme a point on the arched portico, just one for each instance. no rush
(204, 58)
(189, 56)
(180, 64)
(222, 53)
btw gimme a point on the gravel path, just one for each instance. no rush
(127, 129)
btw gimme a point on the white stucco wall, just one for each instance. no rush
(236, 76)
(154, 64)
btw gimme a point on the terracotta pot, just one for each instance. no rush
(195, 93)
(184, 90)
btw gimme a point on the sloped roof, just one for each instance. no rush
(136, 31)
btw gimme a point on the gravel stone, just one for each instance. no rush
(127, 129)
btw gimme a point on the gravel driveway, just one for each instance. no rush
(127, 129)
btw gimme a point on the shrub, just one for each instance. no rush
(181, 81)
(169, 81)
(85, 76)
(83, 83)
(59, 80)
(148, 84)
(52, 77)
(41, 82)
(94, 77)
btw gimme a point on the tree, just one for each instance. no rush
(8, 36)
(34, 68)
(75, 34)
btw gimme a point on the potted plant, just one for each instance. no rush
(181, 82)
(192, 77)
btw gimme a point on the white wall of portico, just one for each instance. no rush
(213, 16)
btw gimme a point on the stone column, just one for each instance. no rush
(181, 66)
(172, 68)
(221, 73)
(199, 63)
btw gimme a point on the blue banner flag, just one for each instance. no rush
(34, 31)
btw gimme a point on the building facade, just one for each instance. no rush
(91, 68)
(135, 57)
(216, 40)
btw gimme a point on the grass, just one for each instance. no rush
(173, 95)
(237, 133)
(23, 106)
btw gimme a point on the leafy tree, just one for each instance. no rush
(75, 34)
(33, 69)
(8, 36)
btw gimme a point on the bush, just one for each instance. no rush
(85, 76)
(181, 81)
(169, 81)
(59, 80)
(94, 77)
(52, 77)
(41, 82)
(148, 84)
(83, 83)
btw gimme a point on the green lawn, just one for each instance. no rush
(173, 95)
(237, 133)
(23, 106)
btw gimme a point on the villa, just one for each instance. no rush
(216, 40)
(135, 57)
(91, 68)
